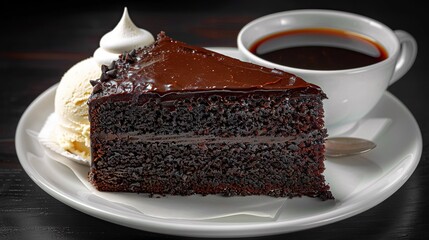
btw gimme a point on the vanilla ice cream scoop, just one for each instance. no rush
(74, 89)
(71, 107)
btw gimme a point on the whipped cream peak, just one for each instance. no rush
(124, 37)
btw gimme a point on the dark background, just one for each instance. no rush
(39, 42)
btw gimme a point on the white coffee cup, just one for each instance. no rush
(352, 93)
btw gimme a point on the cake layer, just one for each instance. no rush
(274, 169)
(214, 113)
(236, 144)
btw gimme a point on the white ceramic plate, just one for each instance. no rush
(358, 182)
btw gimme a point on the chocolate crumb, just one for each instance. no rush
(129, 58)
(104, 77)
(93, 82)
(112, 65)
(104, 68)
(111, 73)
(97, 88)
(123, 56)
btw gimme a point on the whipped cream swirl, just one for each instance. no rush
(124, 37)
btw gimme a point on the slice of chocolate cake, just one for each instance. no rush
(178, 119)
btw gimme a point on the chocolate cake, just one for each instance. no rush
(177, 119)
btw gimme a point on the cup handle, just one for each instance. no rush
(407, 55)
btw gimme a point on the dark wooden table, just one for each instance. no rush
(39, 43)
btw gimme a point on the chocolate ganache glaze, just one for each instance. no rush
(169, 66)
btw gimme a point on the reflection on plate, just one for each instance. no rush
(357, 182)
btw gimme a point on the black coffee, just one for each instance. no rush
(319, 49)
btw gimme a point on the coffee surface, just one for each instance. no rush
(319, 49)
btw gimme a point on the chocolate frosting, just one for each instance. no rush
(170, 66)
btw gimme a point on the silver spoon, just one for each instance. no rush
(345, 146)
